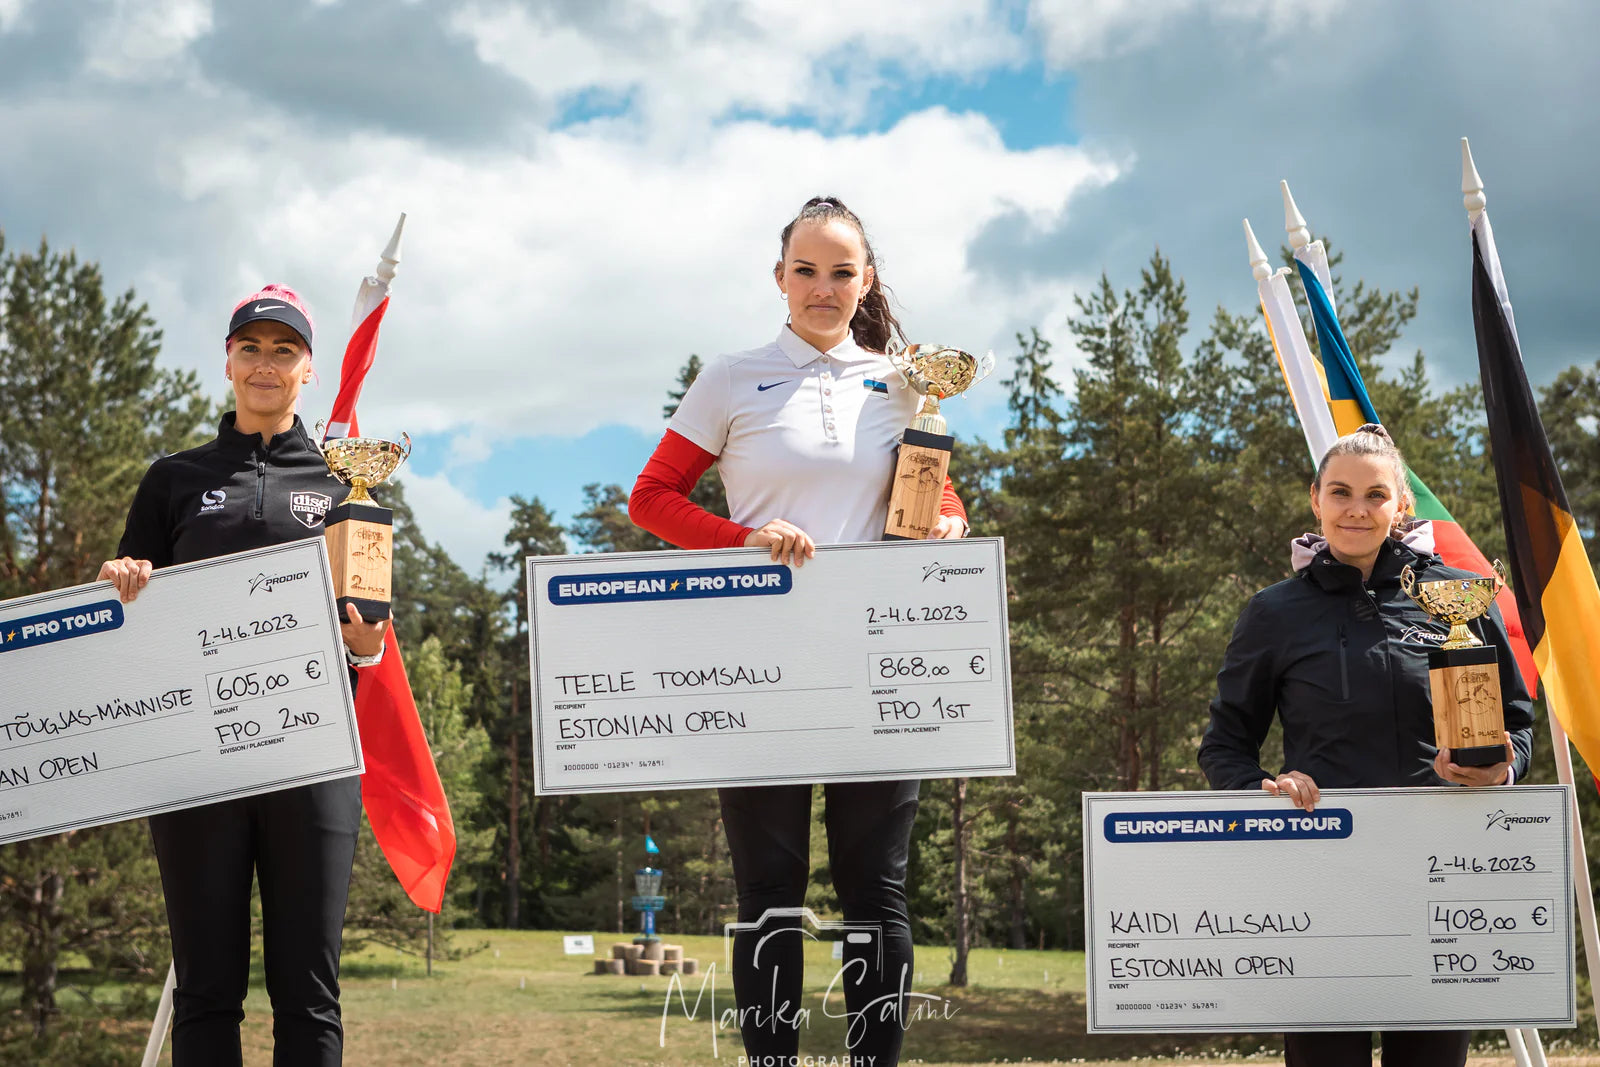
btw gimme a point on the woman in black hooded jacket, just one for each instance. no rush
(1340, 655)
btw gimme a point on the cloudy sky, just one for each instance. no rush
(595, 187)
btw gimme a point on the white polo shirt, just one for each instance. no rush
(802, 435)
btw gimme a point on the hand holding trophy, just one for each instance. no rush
(1463, 672)
(938, 373)
(360, 531)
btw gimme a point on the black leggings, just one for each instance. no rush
(300, 843)
(1401, 1048)
(869, 835)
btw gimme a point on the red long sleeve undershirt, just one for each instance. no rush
(660, 500)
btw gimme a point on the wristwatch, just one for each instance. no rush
(363, 661)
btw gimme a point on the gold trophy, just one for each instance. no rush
(360, 532)
(1463, 672)
(938, 373)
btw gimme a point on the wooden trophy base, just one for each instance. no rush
(918, 487)
(361, 550)
(1468, 718)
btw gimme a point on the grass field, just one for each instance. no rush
(521, 1002)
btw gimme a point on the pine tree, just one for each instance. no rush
(533, 532)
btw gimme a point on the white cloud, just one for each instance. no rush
(466, 529)
(689, 60)
(546, 290)
(1078, 30)
(559, 292)
(141, 38)
(11, 13)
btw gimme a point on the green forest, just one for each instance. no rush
(1143, 495)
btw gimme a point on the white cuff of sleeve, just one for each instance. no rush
(1511, 776)
(363, 661)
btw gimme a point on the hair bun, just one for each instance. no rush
(1375, 429)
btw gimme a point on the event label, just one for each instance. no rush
(1383, 909)
(223, 679)
(677, 670)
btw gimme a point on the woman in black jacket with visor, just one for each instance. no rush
(1339, 654)
(261, 481)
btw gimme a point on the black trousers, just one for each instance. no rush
(869, 836)
(1401, 1048)
(300, 844)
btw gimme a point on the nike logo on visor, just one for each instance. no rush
(774, 385)
(259, 308)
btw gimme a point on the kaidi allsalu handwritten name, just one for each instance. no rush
(224, 678)
(1383, 909)
(664, 670)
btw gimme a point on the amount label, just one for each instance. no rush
(937, 666)
(1489, 916)
(267, 679)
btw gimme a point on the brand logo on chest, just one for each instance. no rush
(1422, 635)
(212, 500)
(309, 508)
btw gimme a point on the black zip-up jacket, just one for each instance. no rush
(1344, 664)
(233, 493)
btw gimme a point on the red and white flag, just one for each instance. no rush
(401, 791)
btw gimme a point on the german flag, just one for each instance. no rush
(1555, 586)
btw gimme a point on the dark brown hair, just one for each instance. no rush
(873, 326)
(1370, 439)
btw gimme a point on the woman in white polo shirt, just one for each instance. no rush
(804, 432)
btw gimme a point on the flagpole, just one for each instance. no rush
(1307, 391)
(1474, 200)
(158, 1029)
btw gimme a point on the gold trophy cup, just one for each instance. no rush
(1463, 672)
(938, 373)
(360, 532)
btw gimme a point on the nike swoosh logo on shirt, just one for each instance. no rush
(774, 385)
(259, 308)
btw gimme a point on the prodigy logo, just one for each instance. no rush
(1505, 821)
(268, 583)
(939, 572)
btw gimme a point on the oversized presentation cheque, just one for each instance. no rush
(223, 679)
(679, 670)
(1383, 909)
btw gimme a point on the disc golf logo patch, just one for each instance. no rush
(309, 508)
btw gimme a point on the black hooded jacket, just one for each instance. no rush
(1344, 664)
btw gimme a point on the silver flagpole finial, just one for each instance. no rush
(390, 261)
(1294, 223)
(1472, 197)
(1258, 258)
